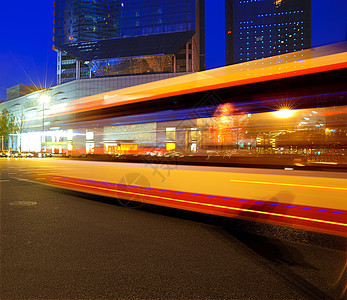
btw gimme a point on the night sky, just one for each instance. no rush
(26, 31)
(26, 55)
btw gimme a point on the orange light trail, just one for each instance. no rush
(208, 204)
(292, 184)
(222, 78)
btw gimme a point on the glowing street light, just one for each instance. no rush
(284, 113)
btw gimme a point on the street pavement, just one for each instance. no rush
(58, 244)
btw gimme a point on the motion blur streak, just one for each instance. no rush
(209, 190)
(206, 204)
(227, 117)
(278, 67)
(292, 184)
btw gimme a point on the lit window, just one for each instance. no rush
(171, 133)
(89, 135)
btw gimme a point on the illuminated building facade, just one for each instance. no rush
(102, 38)
(257, 29)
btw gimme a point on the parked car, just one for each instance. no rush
(43, 154)
(27, 154)
(15, 154)
(4, 153)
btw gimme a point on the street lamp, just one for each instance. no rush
(44, 98)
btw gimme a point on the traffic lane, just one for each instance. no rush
(306, 193)
(66, 245)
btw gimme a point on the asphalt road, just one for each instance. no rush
(59, 244)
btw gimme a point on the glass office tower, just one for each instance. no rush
(260, 28)
(81, 21)
(141, 17)
(97, 38)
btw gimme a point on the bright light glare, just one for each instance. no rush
(45, 98)
(284, 113)
(31, 141)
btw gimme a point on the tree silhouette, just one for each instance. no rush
(8, 125)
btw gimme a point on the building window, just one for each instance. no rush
(171, 133)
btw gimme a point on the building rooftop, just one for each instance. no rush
(20, 90)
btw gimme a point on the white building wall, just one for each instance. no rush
(31, 107)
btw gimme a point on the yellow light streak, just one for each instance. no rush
(202, 81)
(291, 184)
(208, 204)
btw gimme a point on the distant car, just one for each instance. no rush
(15, 154)
(27, 154)
(175, 154)
(44, 154)
(156, 153)
(4, 153)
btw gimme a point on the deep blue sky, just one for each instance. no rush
(214, 34)
(26, 27)
(26, 53)
(329, 22)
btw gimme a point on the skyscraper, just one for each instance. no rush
(99, 38)
(260, 28)
(81, 21)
